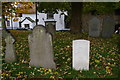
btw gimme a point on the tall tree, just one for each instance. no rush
(76, 15)
(6, 9)
(10, 10)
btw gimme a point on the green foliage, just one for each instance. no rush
(53, 6)
(7, 7)
(101, 7)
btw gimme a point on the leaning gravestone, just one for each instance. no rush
(94, 27)
(10, 51)
(41, 50)
(80, 54)
(108, 27)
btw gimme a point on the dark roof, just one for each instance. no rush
(28, 19)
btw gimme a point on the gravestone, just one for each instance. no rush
(94, 27)
(80, 54)
(51, 28)
(108, 27)
(41, 49)
(9, 49)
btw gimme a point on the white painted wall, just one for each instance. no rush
(60, 24)
(15, 24)
(59, 21)
(42, 17)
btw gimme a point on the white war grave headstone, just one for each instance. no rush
(80, 54)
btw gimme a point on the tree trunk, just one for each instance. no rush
(3, 22)
(36, 13)
(76, 15)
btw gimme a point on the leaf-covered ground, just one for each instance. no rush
(104, 58)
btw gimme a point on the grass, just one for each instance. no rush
(104, 58)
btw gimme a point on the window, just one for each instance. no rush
(27, 26)
(50, 16)
(8, 23)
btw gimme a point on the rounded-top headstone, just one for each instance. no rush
(94, 27)
(108, 27)
(41, 49)
(80, 54)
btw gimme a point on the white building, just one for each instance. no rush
(27, 20)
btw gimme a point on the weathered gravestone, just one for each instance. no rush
(51, 28)
(9, 49)
(80, 54)
(108, 27)
(94, 27)
(41, 50)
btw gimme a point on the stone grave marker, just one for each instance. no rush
(41, 49)
(108, 27)
(10, 55)
(51, 28)
(80, 54)
(94, 27)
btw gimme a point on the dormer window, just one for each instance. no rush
(8, 23)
